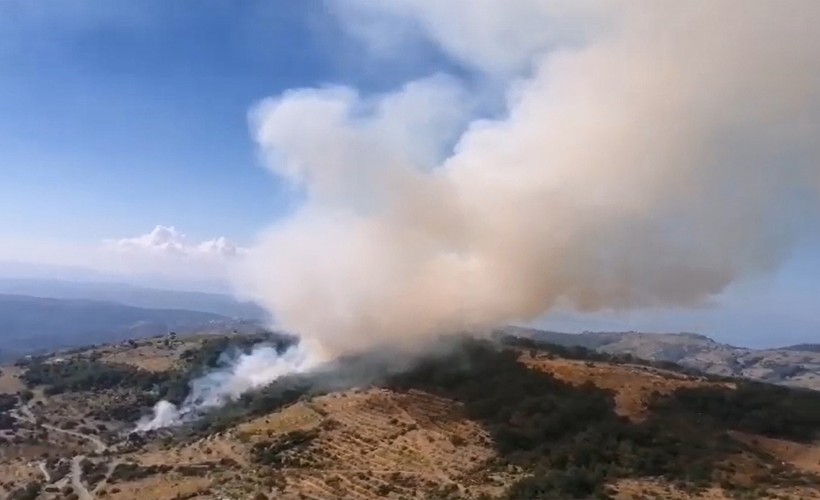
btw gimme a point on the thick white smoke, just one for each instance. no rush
(650, 153)
(248, 371)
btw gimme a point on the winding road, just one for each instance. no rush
(76, 479)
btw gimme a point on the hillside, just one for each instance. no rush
(797, 366)
(35, 324)
(476, 419)
(804, 347)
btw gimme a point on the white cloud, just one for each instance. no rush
(167, 240)
(219, 246)
(100, 263)
(164, 257)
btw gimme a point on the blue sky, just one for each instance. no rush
(118, 116)
(112, 124)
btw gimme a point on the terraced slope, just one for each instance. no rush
(481, 420)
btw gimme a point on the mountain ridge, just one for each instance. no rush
(133, 295)
(797, 366)
(31, 324)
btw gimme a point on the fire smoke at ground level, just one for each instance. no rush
(250, 371)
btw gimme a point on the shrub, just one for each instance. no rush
(753, 407)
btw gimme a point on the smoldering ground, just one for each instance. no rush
(266, 378)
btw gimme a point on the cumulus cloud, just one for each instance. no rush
(168, 240)
(164, 257)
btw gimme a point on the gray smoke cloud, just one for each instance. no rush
(649, 154)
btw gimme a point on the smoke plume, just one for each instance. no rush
(648, 154)
(239, 375)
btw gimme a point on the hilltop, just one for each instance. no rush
(797, 366)
(503, 418)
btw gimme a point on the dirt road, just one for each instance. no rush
(76, 479)
(26, 415)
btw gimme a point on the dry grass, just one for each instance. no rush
(151, 361)
(633, 385)
(370, 444)
(299, 416)
(14, 473)
(9, 381)
(160, 487)
(632, 489)
(153, 355)
(386, 445)
(802, 456)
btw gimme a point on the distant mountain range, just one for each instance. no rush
(804, 347)
(34, 324)
(797, 365)
(38, 315)
(49, 273)
(130, 295)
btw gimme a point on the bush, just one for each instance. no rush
(132, 472)
(279, 451)
(7, 402)
(7, 421)
(29, 492)
(754, 407)
(84, 375)
(569, 437)
(213, 352)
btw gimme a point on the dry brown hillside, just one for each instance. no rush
(480, 421)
